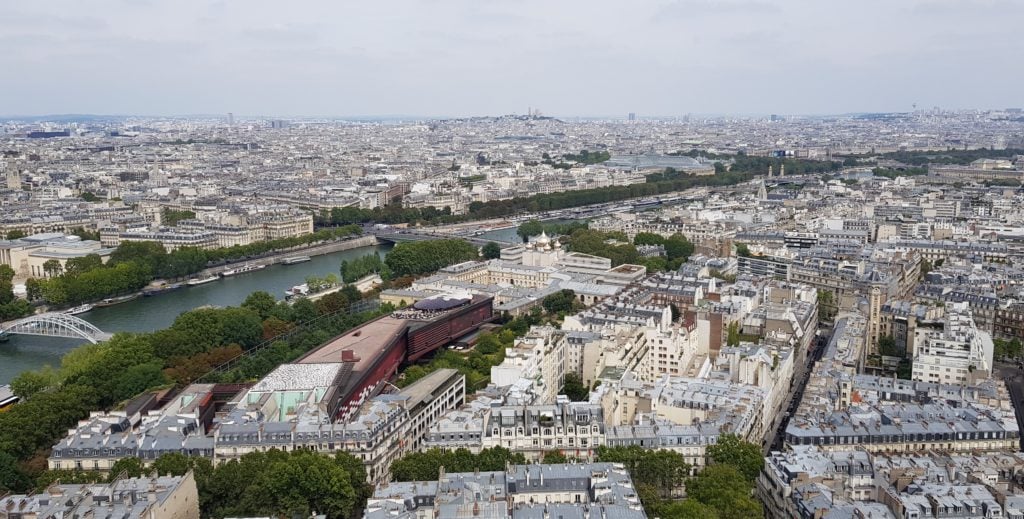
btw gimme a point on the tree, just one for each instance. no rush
(724, 488)
(648, 238)
(33, 289)
(491, 250)
(415, 258)
(52, 268)
(732, 337)
(553, 457)
(661, 470)
(574, 389)
(744, 456)
(887, 346)
(260, 302)
(171, 217)
(561, 302)
(678, 248)
(529, 228)
(76, 266)
(742, 250)
(283, 484)
(28, 383)
(304, 310)
(676, 313)
(15, 234)
(422, 466)
(131, 466)
(827, 308)
(11, 477)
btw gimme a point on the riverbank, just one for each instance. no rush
(305, 250)
(275, 258)
(146, 314)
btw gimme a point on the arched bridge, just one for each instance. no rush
(55, 324)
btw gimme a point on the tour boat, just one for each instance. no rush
(152, 291)
(80, 309)
(111, 301)
(200, 281)
(295, 259)
(242, 270)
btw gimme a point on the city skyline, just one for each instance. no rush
(459, 58)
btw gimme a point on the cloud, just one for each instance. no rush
(465, 57)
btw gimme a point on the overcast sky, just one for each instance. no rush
(489, 57)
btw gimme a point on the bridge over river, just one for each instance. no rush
(54, 324)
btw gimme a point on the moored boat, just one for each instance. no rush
(200, 281)
(295, 259)
(242, 270)
(111, 301)
(80, 309)
(152, 291)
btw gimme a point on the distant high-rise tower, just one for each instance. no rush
(278, 124)
(632, 116)
(231, 119)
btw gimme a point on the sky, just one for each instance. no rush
(492, 57)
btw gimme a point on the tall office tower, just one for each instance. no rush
(278, 124)
(632, 116)
(231, 119)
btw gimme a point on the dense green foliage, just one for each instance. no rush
(828, 307)
(356, 269)
(284, 484)
(887, 346)
(721, 491)
(422, 257)
(731, 450)
(535, 227)
(90, 197)
(573, 388)
(476, 365)
(171, 217)
(392, 214)
(612, 245)
(274, 483)
(1004, 348)
(588, 157)
(10, 306)
(491, 250)
(554, 457)
(561, 303)
(678, 249)
(245, 343)
(134, 264)
(424, 466)
(962, 157)
(659, 470)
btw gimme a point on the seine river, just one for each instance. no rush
(145, 314)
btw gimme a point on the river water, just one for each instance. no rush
(146, 314)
